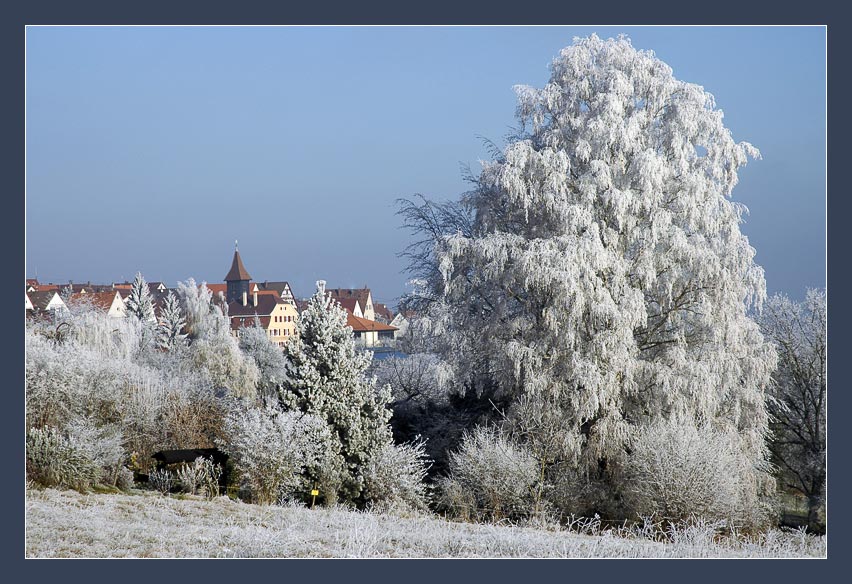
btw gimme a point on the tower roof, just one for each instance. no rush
(238, 270)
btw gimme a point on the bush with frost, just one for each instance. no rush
(490, 477)
(55, 461)
(394, 476)
(678, 471)
(271, 449)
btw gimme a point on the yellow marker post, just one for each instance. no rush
(314, 493)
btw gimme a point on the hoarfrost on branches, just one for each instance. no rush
(139, 301)
(798, 406)
(326, 379)
(212, 346)
(170, 333)
(271, 449)
(598, 266)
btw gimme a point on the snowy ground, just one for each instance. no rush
(71, 524)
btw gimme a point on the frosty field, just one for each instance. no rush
(71, 524)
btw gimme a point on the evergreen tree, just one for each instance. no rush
(326, 379)
(170, 329)
(139, 303)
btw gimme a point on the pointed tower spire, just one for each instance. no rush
(238, 271)
(238, 278)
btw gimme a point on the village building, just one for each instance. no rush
(110, 302)
(370, 333)
(362, 295)
(401, 323)
(282, 288)
(247, 304)
(360, 316)
(383, 313)
(46, 303)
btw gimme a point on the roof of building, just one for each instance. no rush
(277, 286)
(238, 270)
(360, 325)
(349, 304)
(216, 288)
(383, 311)
(266, 303)
(47, 287)
(360, 294)
(103, 300)
(42, 298)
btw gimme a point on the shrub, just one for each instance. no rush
(189, 477)
(103, 445)
(53, 460)
(490, 478)
(202, 475)
(124, 478)
(677, 471)
(394, 476)
(271, 448)
(161, 480)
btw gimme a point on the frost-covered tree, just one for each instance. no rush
(270, 360)
(212, 347)
(170, 328)
(326, 379)
(798, 408)
(198, 307)
(598, 266)
(140, 304)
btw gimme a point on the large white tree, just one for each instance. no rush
(597, 266)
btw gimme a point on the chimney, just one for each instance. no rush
(245, 298)
(254, 294)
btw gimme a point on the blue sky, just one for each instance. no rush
(153, 149)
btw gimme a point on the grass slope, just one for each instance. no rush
(143, 524)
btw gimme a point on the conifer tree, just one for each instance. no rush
(139, 303)
(170, 329)
(326, 379)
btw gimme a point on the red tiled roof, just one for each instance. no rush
(364, 325)
(216, 288)
(102, 300)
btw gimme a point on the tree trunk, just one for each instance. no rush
(815, 505)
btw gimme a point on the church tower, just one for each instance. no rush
(238, 280)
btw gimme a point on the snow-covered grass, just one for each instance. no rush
(144, 524)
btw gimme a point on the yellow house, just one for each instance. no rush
(248, 304)
(276, 317)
